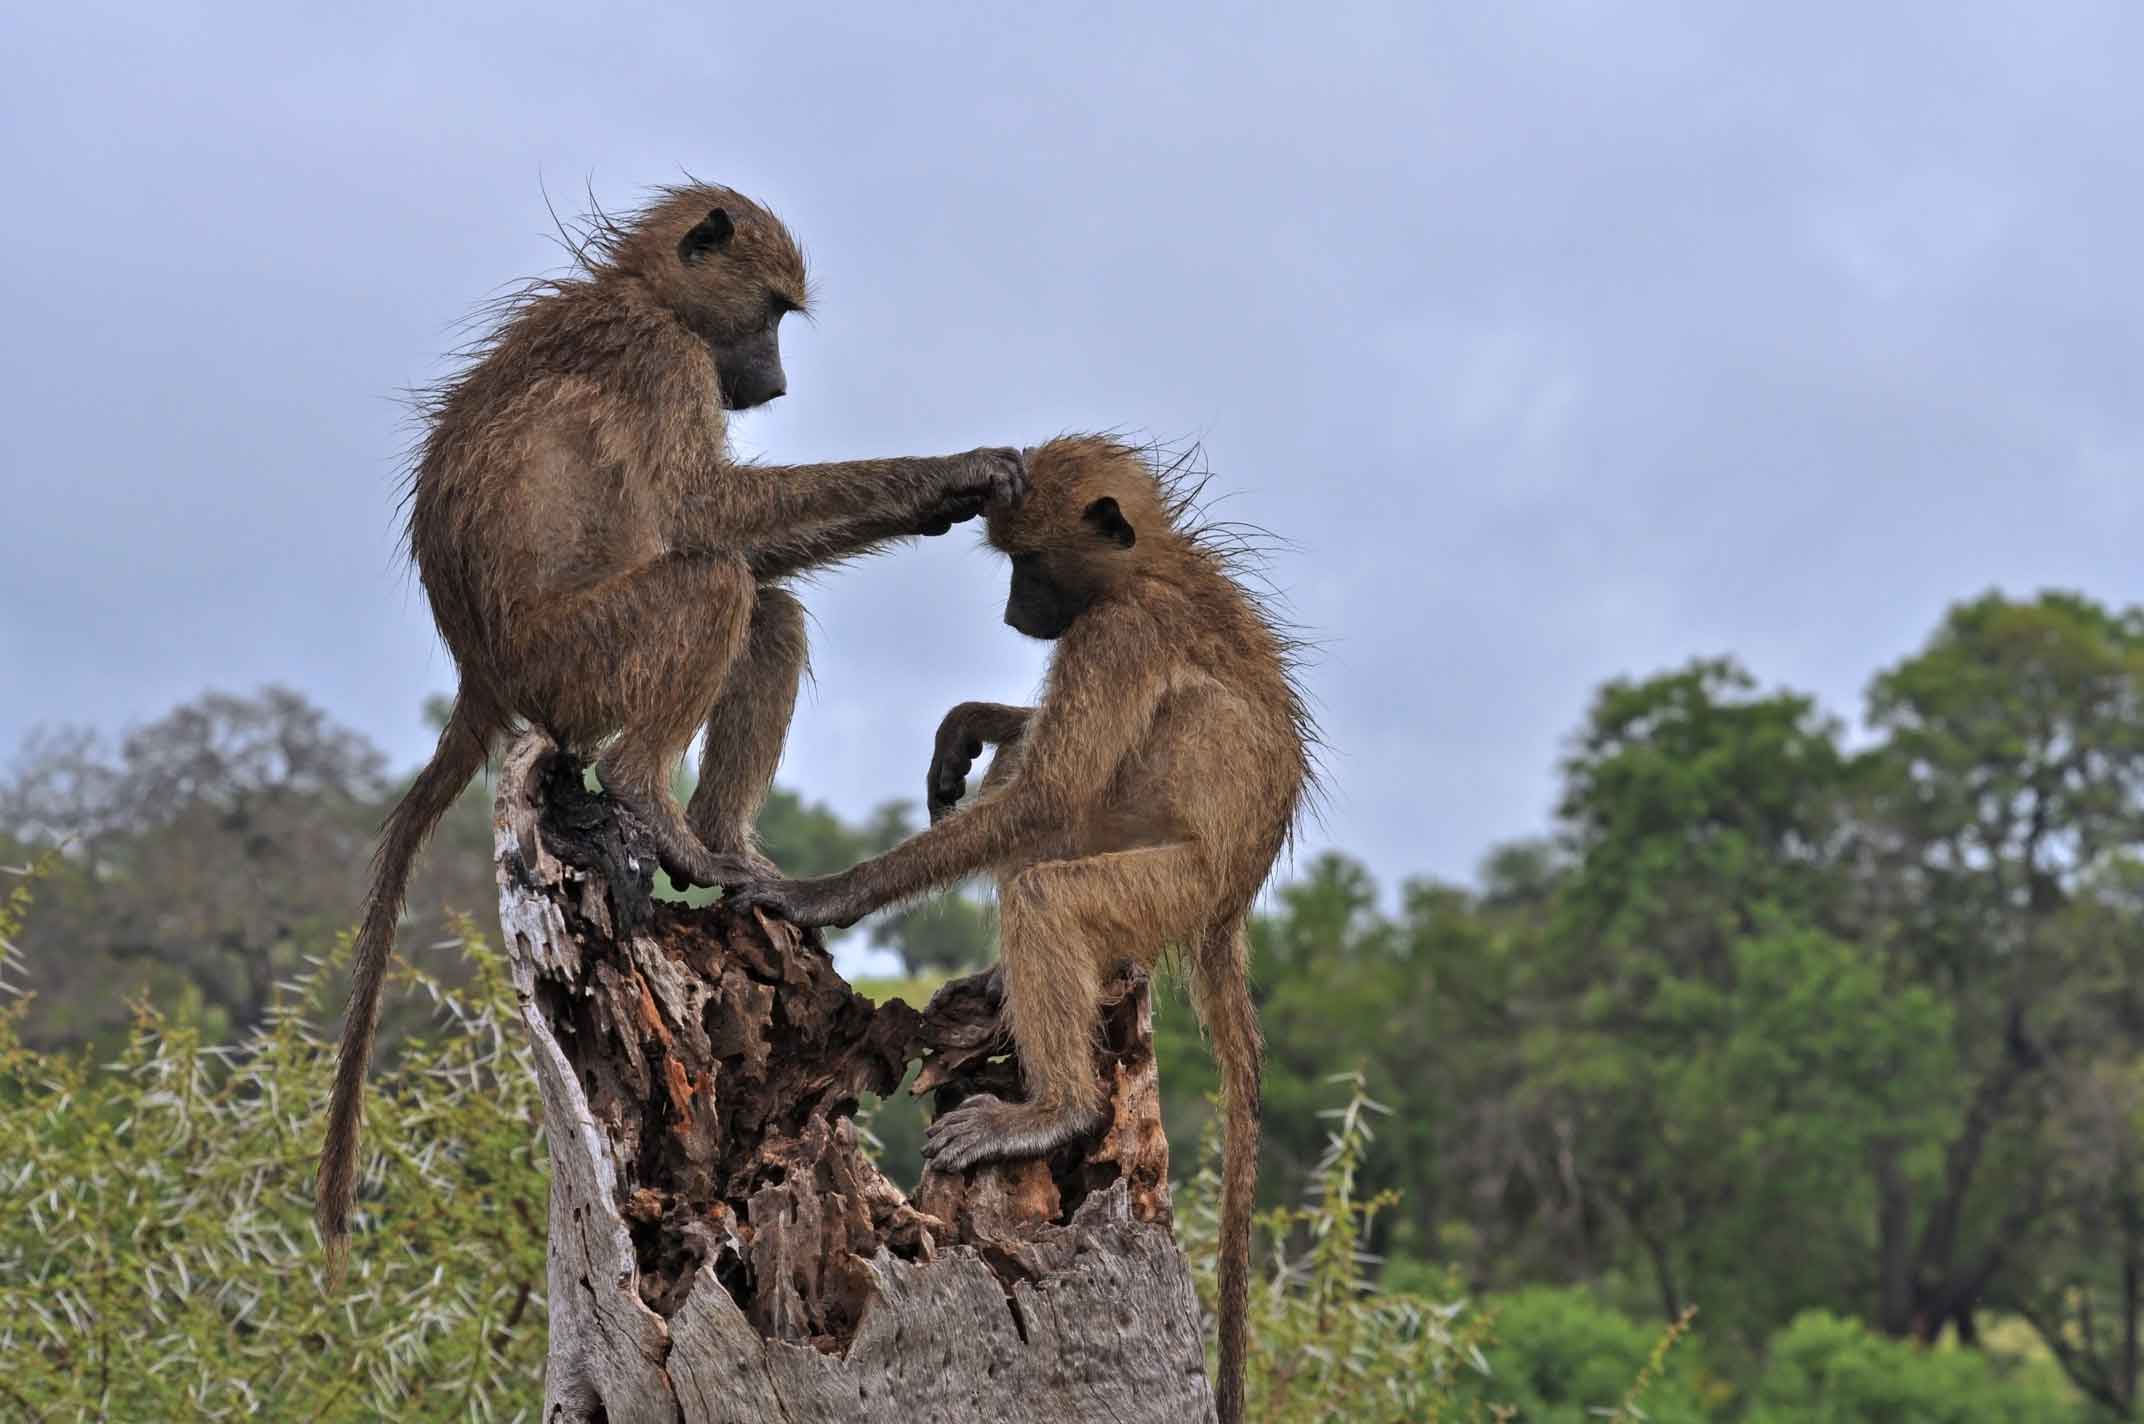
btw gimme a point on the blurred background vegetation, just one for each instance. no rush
(1835, 1036)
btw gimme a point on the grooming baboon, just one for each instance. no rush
(1140, 806)
(599, 565)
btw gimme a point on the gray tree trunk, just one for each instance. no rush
(721, 1248)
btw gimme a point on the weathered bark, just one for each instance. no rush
(720, 1246)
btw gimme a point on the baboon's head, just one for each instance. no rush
(731, 271)
(1094, 516)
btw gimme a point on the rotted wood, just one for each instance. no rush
(721, 1246)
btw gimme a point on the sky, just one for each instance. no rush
(1562, 341)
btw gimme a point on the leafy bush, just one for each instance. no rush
(1561, 1357)
(157, 1257)
(1826, 1370)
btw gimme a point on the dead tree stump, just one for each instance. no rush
(722, 1249)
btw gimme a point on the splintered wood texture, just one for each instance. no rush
(720, 1246)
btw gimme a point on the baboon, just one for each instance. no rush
(1139, 807)
(600, 567)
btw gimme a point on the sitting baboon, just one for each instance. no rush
(1139, 807)
(601, 568)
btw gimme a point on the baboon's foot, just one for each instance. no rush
(985, 1129)
(684, 857)
(733, 843)
(688, 863)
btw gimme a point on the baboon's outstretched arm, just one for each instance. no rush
(783, 518)
(1105, 689)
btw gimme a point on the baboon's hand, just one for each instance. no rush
(807, 904)
(952, 755)
(994, 477)
(1001, 472)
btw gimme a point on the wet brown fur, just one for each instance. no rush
(601, 568)
(1139, 808)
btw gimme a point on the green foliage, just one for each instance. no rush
(947, 932)
(1326, 1345)
(1560, 1357)
(1690, 800)
(1767, 1027)
(1330, 1343)
(1789, 1032)
(205, 851)
(2020, 723)
(1330, 971)
(1827, 1370)
(157, 1259)
(808, 838)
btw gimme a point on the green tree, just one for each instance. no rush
(205, 852)
(1692, 1030)
(2009, 783)
(2083, 1286)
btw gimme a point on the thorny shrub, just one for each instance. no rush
(157, 1254)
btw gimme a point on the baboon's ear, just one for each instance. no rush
(1110, 523)
(711, 234)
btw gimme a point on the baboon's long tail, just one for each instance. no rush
(1232, 1023)
(463, 746)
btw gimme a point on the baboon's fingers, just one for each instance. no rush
(1003, 472)
(1021, 482)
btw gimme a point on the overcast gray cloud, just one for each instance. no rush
(1564, 340)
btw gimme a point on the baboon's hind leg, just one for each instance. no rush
(653, 653)
(1061, 924)
(746, 730)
